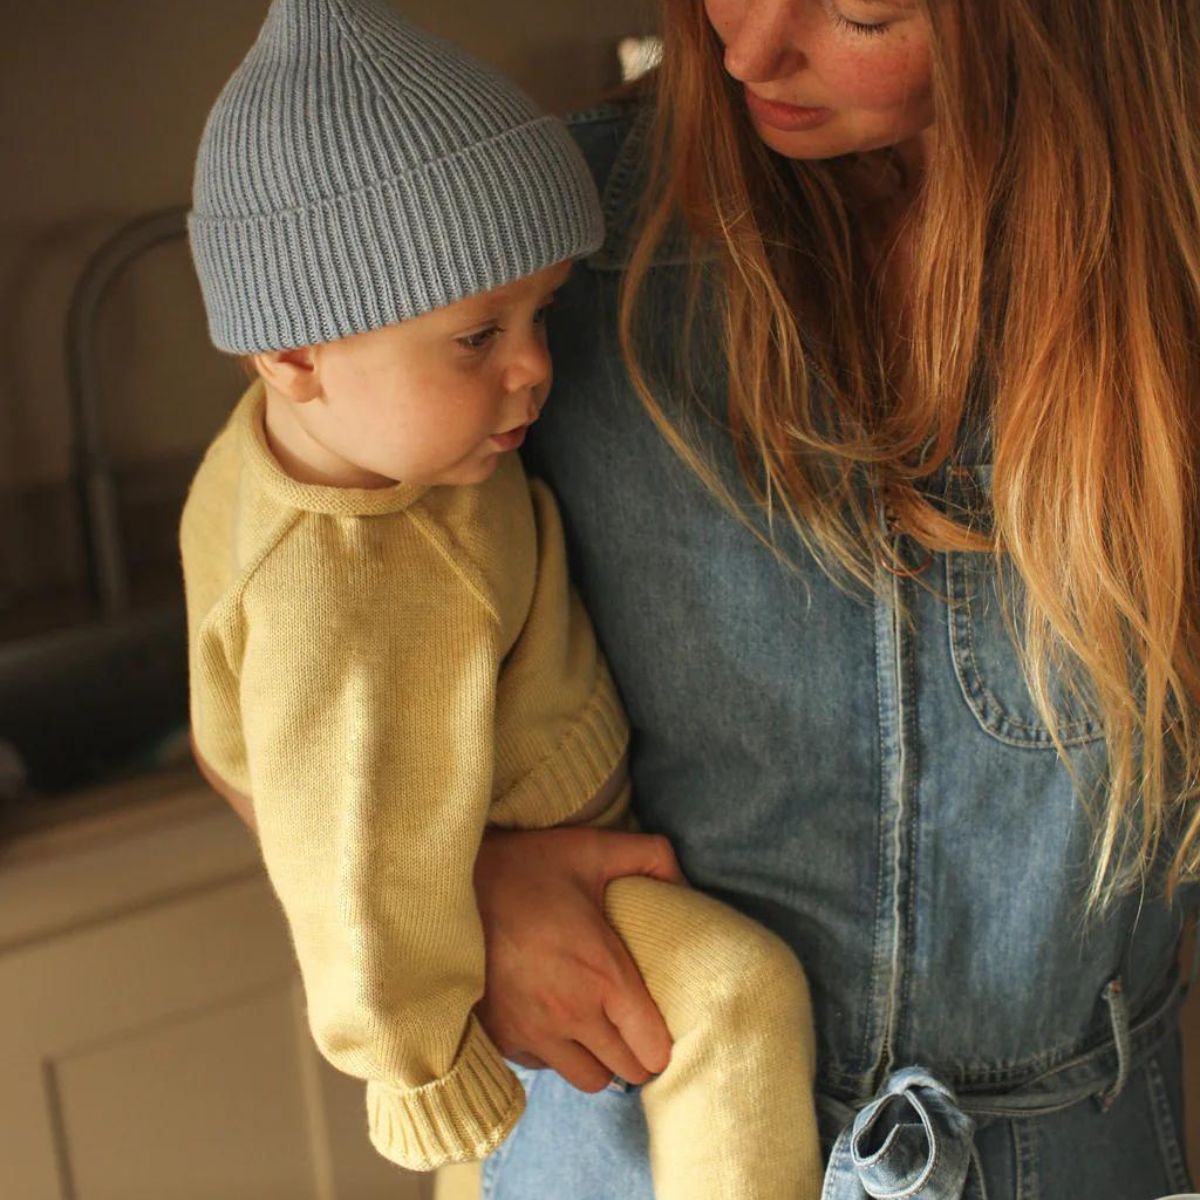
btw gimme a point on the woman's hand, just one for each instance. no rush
(562, 990)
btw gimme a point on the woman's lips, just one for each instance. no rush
(511, 439)
(787, 117)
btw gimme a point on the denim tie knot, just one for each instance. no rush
(910, 1143)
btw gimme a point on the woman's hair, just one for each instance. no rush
(1055, 249)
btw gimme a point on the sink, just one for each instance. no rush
(78, 703)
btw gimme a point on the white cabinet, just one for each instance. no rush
(152, 1035)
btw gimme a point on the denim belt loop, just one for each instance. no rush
(1118, 1014)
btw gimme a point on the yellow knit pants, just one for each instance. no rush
(732, 1117)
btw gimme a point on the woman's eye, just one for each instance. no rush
(861, 27)
(477, 341)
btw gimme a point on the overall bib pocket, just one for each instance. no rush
(986, 663)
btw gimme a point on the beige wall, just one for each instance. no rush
(104, 103)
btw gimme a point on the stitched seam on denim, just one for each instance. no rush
(616, 186)
(963, 660)
(1017, 1072)
(930, 1167)
(1071, 732)
(865, 1056)
(989, 711)
(1147, 1033)
(620, 204)
(902, 776)
(976, 1186)
(840, 1156)
(987, 708)
(1170, 1151)
(971, 661)
(884, 1150)
(872, 1031)
(1025, 1160)
(1003, 1072)
(896, 831)
(1007, 1071)
(909, 732)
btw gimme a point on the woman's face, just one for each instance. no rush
(829, 77)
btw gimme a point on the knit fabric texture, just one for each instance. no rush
(385, 672)
(357, 171)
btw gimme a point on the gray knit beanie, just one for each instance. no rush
(356, 171)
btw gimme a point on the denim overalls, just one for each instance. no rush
(875, 787)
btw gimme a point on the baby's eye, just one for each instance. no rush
(539, 316)
(478, 340)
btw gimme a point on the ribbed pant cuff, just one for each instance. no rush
(464, 1115)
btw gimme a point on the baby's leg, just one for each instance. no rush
(732, 1117)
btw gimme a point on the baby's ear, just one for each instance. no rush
(291, 373)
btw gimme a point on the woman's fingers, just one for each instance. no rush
(578, 1067)
(627, 1003)
(635, 1017)
(579, 1003)
(557, 974)
(607, 1045)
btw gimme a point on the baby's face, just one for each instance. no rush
(438, 398)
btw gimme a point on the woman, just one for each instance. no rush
(891, 348)
(874, 434)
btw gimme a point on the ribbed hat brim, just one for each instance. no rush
(400, 247)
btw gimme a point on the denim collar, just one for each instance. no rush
(621, 197)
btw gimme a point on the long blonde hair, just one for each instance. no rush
(1056, 270)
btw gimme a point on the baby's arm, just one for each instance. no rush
(367, 708)
(241, 804)
(609, 806)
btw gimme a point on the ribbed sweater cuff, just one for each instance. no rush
(580, 765)
(462, 1116)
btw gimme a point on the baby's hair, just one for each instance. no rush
(249, 369)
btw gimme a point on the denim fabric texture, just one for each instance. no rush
(867, 776)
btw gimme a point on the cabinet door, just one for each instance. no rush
(162, 1054)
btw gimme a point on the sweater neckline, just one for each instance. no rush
(310, 497)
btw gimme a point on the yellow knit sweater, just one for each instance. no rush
(386, 671)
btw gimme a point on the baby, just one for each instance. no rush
(385, 650)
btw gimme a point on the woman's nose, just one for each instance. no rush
(761, 44)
